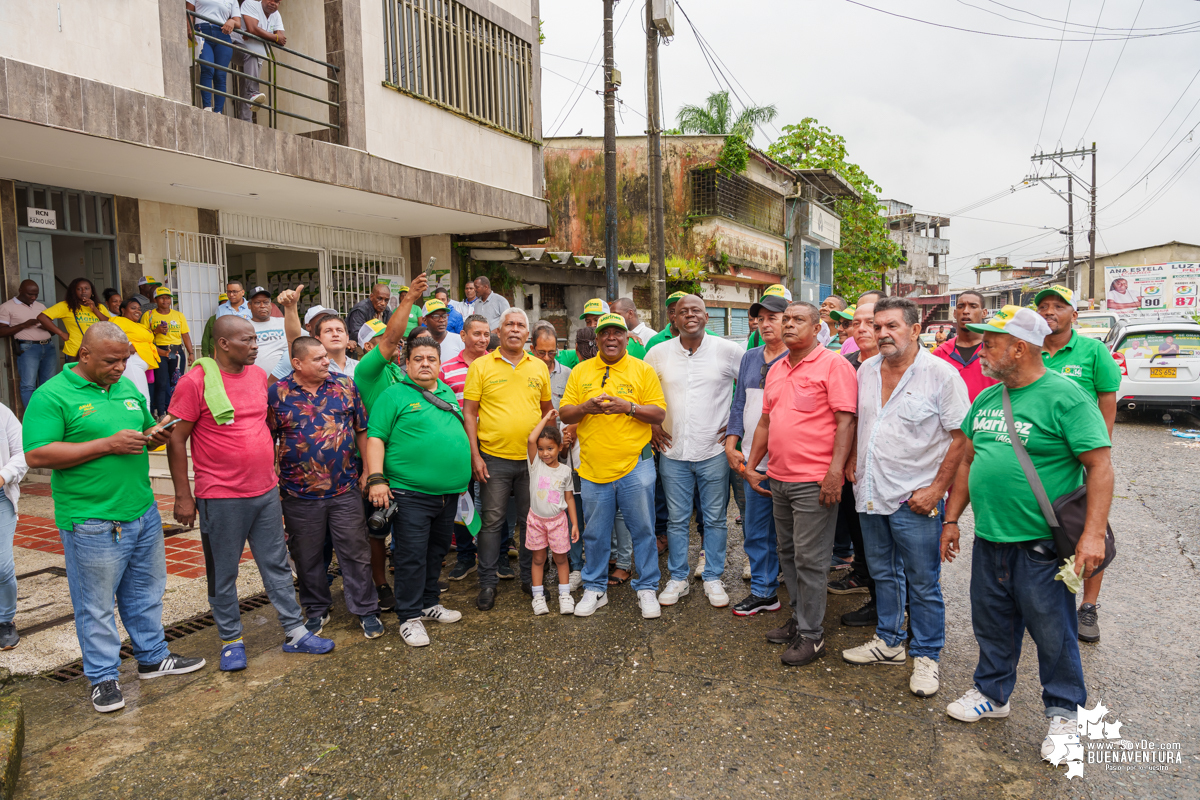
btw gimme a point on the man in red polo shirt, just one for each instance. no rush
(813, 390)
(962, 352)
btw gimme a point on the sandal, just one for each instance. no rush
(616, 580)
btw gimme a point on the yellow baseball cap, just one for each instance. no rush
(369, 330)
(1023, 323)
(222, 297)
(149, 281)
(777, 290)
(1062, 292)
(675, 297)
(402, 289)
(594, 306)
(162, 291)
(432, 306)
(611, 321)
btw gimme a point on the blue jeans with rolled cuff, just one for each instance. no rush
(634, 493)
(759, 542)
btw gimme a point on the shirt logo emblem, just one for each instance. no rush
(87, 409)
(1073, 371)
(132, 405)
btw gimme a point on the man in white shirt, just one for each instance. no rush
(625, 307)
(235, 303)
(270, 332)
(911, 405)
(697, 372)
(435, 316)
(466, 306)
(262, 20)
(488, 304)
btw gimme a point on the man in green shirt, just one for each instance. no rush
(1088, 363)
(669, 332)
(1014, 562)
(92, 429)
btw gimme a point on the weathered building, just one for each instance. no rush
(924, 251)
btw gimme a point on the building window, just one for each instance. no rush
(441, 51)
(812, 263)
(553, 296)
(716, 321)
(717, 193)
(739, 322)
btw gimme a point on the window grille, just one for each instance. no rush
(443, 52)
(718, 193)
(353, 274)
(739, 323)
(716, 321)
(553, 296)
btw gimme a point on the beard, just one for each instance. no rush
(1002, 371)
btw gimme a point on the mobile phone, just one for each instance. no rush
(167, 427)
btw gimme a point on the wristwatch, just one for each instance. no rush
(632, 409)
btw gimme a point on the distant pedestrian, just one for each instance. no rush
(436, 316)
(37, 357)
(551, 522)
(145, 296)
(92, 429)
(628, 311)
(488, 304)
(670, 331)
(12, 470)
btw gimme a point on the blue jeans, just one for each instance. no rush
(622, 541)
(1013, 590)
(903, 552)
(758, 523)
(575, 556)
(215, 53)
(681, 481)
(37, 362)
(164, 379)
(635, 494)
(8, 568)
(131, 565)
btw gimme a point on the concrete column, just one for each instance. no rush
(176, 58)
(343, 48)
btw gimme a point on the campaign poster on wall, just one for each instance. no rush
(1152, 290)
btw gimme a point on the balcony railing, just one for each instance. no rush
(269, 81)
(719, 193)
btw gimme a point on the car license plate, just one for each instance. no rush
(1162, 372)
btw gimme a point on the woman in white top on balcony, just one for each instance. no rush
(214, 21)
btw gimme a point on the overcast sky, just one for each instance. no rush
(939, 118)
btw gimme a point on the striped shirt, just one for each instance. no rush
(454, 375)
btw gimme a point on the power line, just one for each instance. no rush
(1104, 91)
(1053, 75)
(1082, 71)
(568, 58)
(1082, 25)
(589, 77)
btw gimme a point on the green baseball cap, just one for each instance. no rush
(675, 297)
(847, 315)
(611, 321)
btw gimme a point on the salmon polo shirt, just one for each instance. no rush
(801, 402)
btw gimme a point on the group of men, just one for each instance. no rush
(907, 437)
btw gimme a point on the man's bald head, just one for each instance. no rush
(28, 292)
(228, 325)
(236, 342)
(103, 352)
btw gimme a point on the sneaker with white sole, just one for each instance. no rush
(716, 594)
(440, 613)
(575, 580)
(699, 573)
(924, 679)
(566, 604)
(371, 625)
(649, 604)
(1059, 726)
(674, 590)
(746, 572)
(259, 98)
(173, 664)
(875, 651)
(974, 706)
(106, 696)
(590, 601)
(539, 605)
(413, 633)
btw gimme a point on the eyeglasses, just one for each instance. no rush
(604, 380)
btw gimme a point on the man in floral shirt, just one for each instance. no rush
(321, 425)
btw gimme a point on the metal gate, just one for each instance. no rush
(347, 276)
(196, 272)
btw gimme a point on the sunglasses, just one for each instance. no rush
(604, 380)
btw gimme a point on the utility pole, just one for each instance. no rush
(610, 159)
(1072, 284)
(1057, 158)
(658, 266)
(1092, 234)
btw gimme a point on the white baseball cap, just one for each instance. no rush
(1023, 323)
(312, 313)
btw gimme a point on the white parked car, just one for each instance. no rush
(1095, 324)
(1160, 363)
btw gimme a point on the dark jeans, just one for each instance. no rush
(506, 477)
(421, 533)
(849, 522)
(164, 379)
(37, 362)
(575, 556)
(306, 521)
(1013, 590)
(661, 515)
(215, 52)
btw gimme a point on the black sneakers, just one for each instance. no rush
(9, 638)
(754, 604)
(785, 633)
(387, 600)
(106, 696)
(504, 571)
(864, 617)
(461, 570)
(803, 651)
(171, 665)
(847, 585)
(1089, 622)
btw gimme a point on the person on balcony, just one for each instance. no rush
(220, 19)
(259, 19)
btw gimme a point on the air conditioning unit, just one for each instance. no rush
(663, 12)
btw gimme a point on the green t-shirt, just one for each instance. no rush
(570, 358)
(1057, 421)
(69, 408)
(1087, 362)
(414, 319)
(753, 340)
(659, 338)
(430, 453)
(373, 375)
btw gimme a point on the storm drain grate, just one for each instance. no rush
(177, 631)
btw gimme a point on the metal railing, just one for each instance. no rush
(717, 192)
(269, 81)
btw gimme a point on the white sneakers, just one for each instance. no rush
(924, 679)
(440, 613)
(413, 633)
(566, 604)
(974, 706)
(649, 604)
(575, 580)
(259, 98)
(590, 601)
(699, 573)
(715, 592)
(875, 651)
(539, 605)
(673, 591)
(1059, 726)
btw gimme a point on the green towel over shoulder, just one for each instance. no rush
(214, 391)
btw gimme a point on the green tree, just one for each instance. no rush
(716, 117)
(866, 250)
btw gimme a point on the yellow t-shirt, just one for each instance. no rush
(75, 322)
(141, 339)
(176, 326)
(611, 444)
(509, 402)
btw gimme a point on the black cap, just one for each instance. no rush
(770, 303)
(259, 290)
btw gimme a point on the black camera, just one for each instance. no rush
(382, 516)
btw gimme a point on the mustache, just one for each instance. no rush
(886, 340)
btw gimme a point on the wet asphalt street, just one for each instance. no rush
(693, 705)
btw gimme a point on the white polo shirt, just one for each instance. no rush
(698, 388)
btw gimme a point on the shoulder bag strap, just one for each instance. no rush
(438, 402)
(1031, 475)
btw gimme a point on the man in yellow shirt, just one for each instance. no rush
(174, 343)
(506, 395)
(615, 398)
